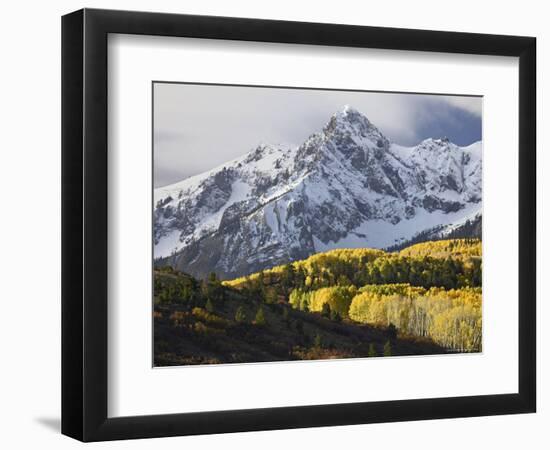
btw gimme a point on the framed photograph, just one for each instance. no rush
(273, 224)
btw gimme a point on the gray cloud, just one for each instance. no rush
(198, 127)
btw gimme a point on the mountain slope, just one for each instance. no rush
(187, 332)
(346, 186)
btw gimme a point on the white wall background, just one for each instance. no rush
(30, 227)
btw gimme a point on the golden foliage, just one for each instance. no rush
(454, 248)
(428, 290)
(318, 262)
(337, 297)
(451, 318)
(450, 263)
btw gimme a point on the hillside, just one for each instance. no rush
(454, 248)
(451, 263)
(194, 326)
(469, 228)
(342, 303)
(346, 186)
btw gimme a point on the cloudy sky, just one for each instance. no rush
(198, 127)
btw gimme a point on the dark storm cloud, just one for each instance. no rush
(199, 127)
(442, 119)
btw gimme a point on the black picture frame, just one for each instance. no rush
(84, 224)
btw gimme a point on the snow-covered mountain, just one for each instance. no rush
(345, 186)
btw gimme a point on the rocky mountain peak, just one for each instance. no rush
(345, 186)
(436, 144)
(351, 124)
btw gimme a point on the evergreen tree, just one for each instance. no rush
(270, 295)
(288, 277)
(325, 310)
(212, 288)
(392, 331)
(240, 315)
(335, 316)
(260, 317)
(300, 278)
(249, 285)
(212, 277)
(318, 341)
(372, 351)
(209, 306)
(260, 284)
(285, 313)
(375, 276)
(343, 280)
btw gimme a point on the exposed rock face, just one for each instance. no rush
(346, 186)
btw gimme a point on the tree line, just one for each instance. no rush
(457, 264)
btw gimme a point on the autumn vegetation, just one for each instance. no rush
(342, 303)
